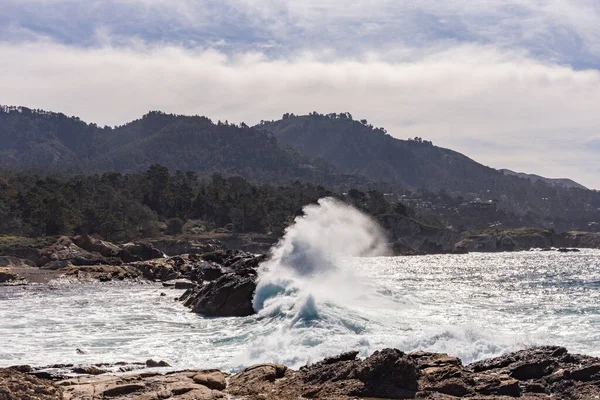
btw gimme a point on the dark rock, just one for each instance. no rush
(132, 252)
(534, 370)
(123, 390)
(184, 284)
(229, 296)
(231, 293)
(89, 370)
(22, 368)
(585, 374)
(155, 364)
(6, 275)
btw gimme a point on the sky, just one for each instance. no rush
(510, 83)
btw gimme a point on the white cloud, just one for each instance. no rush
(567, 31)
(501, 108)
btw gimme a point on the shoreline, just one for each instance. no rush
(537, 373)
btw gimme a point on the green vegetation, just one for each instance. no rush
(331, 151)
(121, 207)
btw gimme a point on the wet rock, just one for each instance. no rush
(155, 364)
(231, 294)
(586, 374)
(228, 296)
(89, 370)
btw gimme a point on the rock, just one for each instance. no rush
(155, 364)
(229, 296)
(132, 252)
(15, 262)
(231, 293)
(533, 370)
(507, 243)
(585, 374)
(212, 379)
(24, 252)
(102, 273)
(89, 370)
(64, 252)
(101, 247)
(7, 275)
(15, 385)
(123, 390)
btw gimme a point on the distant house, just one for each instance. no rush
(478, 204)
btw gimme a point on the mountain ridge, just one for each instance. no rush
(332, 150)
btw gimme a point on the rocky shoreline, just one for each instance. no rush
(549, 372)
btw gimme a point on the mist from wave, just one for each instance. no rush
(325, 289)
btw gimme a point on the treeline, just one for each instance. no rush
(121, 207)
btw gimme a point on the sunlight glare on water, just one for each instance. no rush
(472, 306)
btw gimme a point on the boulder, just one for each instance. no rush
(101, 247)
(228, 296)
(64, 252)
(7, 275)
(132, 252)
(232, 279)
(212, 379)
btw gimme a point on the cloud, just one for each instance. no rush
(563, 31)
(502, 108)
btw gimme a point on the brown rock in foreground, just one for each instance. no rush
(15, 385)
(539, 373)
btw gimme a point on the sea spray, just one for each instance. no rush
(306, 288)
(309, 260)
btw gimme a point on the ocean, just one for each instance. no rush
(473, 306)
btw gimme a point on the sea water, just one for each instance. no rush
(327, 288)
(473, 306)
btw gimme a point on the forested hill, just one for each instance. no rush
(331, 150)
(356, 147)
(36, 140)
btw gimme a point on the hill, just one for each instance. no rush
(568, 183)
(37, 140)
(356, 147)
(332, 150)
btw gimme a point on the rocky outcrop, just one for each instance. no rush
(16, 385)
(228, 296)
(65, 252)
(187, 385)
(538, 373)
(131, 252)
(93, 245)
(578, 239)
(230, 292)
(411, 237)
(7, 275)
